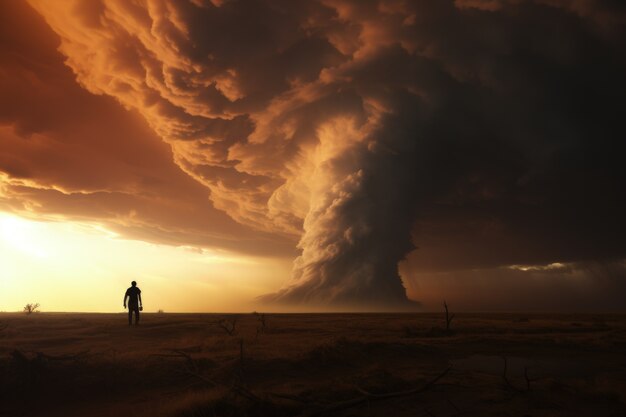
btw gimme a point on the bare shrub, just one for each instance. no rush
(229, 326)
(31, 308)
(262, 321)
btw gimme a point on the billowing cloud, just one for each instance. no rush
(483, 132)
(67, 154)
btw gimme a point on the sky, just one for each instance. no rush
(315, 155)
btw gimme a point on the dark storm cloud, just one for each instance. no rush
(573, 287)
(523, 150)
(486, 133)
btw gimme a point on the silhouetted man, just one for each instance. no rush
(134, 303)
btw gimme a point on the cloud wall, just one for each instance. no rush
(351, 125)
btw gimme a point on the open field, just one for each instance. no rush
(312, 364)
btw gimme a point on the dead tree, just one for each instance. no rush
(229, 326)
(30, 308)
(262, 320)
(449, 317)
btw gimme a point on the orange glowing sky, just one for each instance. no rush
(323, 154)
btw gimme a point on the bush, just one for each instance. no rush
(31, 308)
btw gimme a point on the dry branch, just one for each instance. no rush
(407, 392)
(229, 326)
(245, 392)
(191, 367)
(40, 357)
(371, 397)
(509, 384)
(202, 378)
(74, 357)
(294, 398)
(449, 317)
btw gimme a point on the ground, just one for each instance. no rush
(54, 364)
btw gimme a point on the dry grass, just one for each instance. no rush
(312, 364)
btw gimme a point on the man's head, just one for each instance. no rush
(134, 283)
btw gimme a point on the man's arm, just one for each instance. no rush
(140, 302)
(125, 297)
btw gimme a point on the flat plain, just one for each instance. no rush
(71, 364)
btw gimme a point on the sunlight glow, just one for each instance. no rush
(21, 235)
(69, 266)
